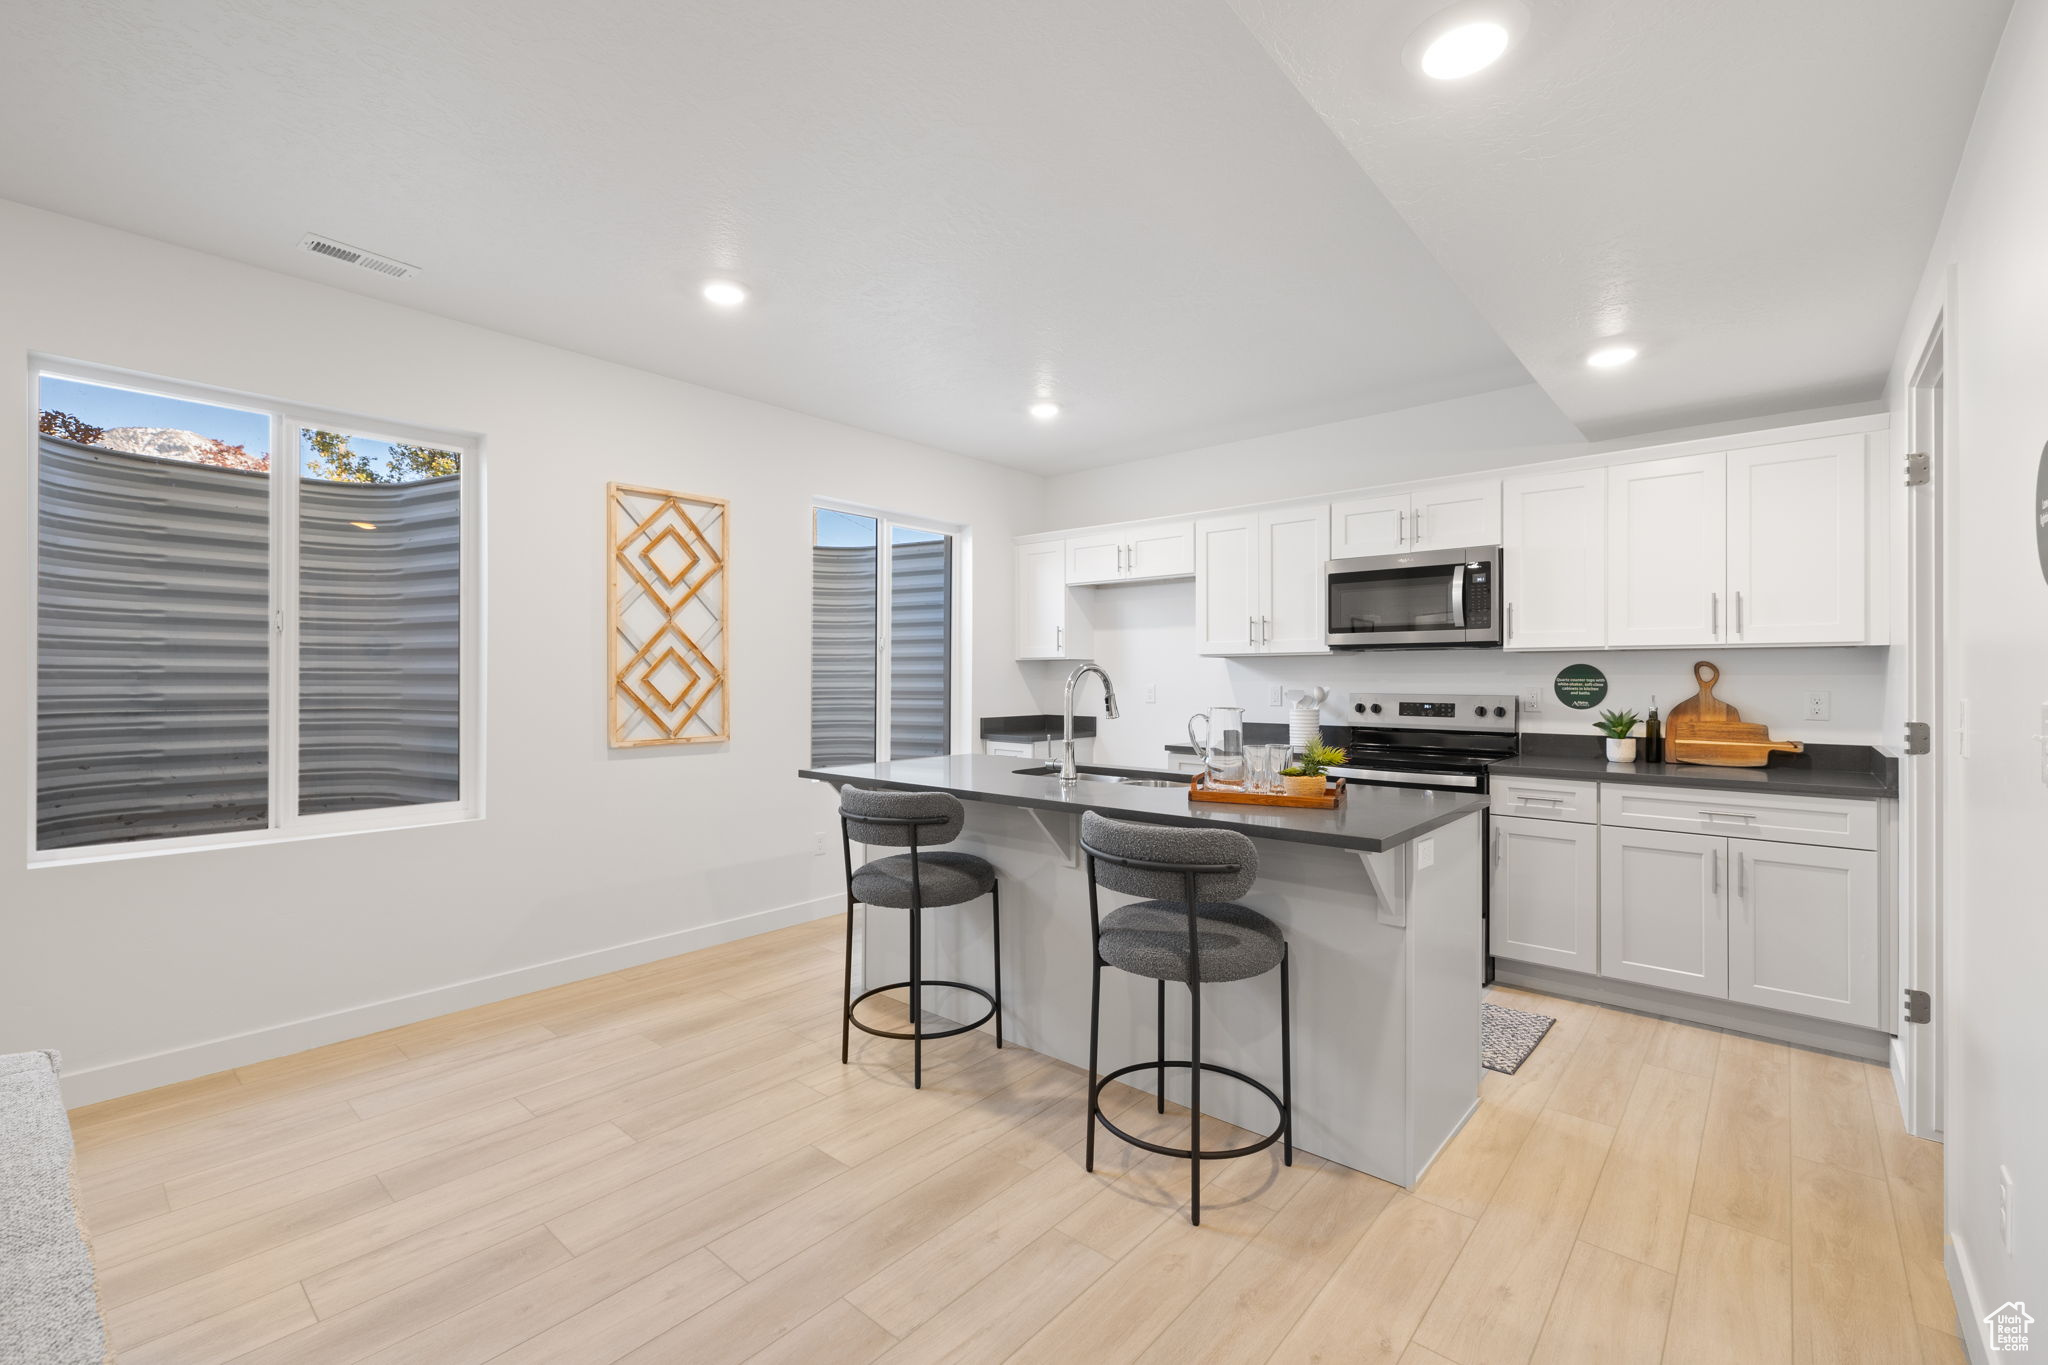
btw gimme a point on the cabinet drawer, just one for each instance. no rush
(1829, 821)
(1541, 798)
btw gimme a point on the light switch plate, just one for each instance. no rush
(1278, 696)
(1425, 853)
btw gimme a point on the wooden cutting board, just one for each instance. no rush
(1704, 729)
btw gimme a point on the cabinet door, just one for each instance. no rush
(1368, 526)
(1667, 553)
(1545, 903)
(1160, 550)
(1042, 600)
(1554, 560)
(1227, 584)
(1664, 910)
(1450, 515)
(1294, 545)
(1803, 935)
(1097, 557)
(1796, 524)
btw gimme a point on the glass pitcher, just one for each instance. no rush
(1220, 746)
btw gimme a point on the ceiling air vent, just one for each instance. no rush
(356, 256)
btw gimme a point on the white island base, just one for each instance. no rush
(1384, 954)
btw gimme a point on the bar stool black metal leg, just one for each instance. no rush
(1286, 1067)
(846, 1012)
(1195, 1103)
(916, 1001)
(1162, 1045)
(995, 915)
(1094, 1042)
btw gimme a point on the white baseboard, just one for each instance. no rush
(1970, 1309)
(281, 1040)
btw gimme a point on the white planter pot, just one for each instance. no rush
(1621, 751)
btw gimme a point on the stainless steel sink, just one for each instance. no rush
(1096, 775)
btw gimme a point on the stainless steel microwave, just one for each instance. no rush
(1428, 598)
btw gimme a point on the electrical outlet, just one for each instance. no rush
(1425, 853)
(1532, 699)
(818, 844)
(1151, 694)
(1277, 697)
(2005, 1209)
(1819, 706)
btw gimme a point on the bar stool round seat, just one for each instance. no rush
(942, 878)
(1150, 938)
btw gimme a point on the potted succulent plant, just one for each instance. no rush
(1616, 725)
(1305, 777)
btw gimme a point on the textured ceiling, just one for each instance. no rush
(1745, 188)
(940, 206)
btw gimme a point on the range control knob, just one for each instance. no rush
(1375, 708)
(1500, 711)
(1479, 711)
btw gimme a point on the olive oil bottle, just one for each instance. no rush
(1653, 736)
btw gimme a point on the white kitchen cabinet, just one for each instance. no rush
(1050, 622)
(1368, 526)
(1259, 581)
(1667, 552)
(1554, 560)
(1227, 584)
(1434, 518)
(1544, 904)
(1125, 554)
(1294, 546)
(1797, 519)
(1664, 910)
(1803, 934)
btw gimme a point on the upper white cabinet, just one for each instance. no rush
(1796, 528)
(1259, 581)
(1554, 560)
(1666, 551)
(1435, 518)
(1125, 554)
(1049, 620)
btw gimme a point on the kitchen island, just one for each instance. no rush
(1379, 899)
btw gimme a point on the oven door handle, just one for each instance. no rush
(1458, 597)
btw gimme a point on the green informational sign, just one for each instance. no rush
(1581, 687)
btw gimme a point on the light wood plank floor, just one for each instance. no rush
(669, 1164)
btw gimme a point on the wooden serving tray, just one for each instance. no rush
(1705, 730)
(1332, 797)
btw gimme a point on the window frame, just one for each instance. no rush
(284, 823)
(958, 619)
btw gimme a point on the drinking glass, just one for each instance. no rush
(1279, 757)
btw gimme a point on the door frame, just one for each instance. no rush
(1926, 882)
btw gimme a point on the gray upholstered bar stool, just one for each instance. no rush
(922, 879)
(1187, 930)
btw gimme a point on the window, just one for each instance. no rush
(881, 638)
(223, 652)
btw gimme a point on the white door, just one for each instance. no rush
(1545, 901)
(1554, 560)
(1041, 600)
(1097, 557)
(1802, 935)
(1294, 545)
(1455, 514)
(1227, 584)
(1664, 909)
(1368, 526)
(1162, 550)
(1667, 552)
(1796, 525)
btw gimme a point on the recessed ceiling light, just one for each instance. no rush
(1461, 51)
(1610, 357)
(1044, 409)
(724, 294)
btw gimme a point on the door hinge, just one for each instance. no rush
(1919, 1007)
(1919, 470)
(1919, 737)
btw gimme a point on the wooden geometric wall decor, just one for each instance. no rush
(669, 600)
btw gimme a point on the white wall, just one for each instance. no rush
(1990, 251)
(152, 969)
(1145, 637)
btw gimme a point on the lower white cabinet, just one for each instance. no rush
(1545, 900)
(1664, 909)
(1803, 935)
